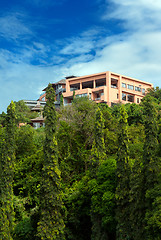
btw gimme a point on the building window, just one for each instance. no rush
(143, 91)
(130, 86)
(74, 87)
(130, 98)
(138, 100)
(124, 96)
(101, 82)
(114, 83)
(137, 89)
(36, 125)
(124, 85)
(88, 84)
(81, 95)
(117, 95)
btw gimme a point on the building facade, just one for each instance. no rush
(106, 87)
(33, 103)
(59, 88)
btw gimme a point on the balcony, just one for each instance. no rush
(74, 89)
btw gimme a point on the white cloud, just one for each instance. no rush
(82, 44)
(12, 27)
(136, 15)
(135, 51)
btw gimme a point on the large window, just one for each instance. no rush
(130, 86)
(74, 87)
(138, 89)
(88, 84)
(143, 91)
(124, 85)
(114, 83)
(130, 98)
(101, 82)
(124, 96)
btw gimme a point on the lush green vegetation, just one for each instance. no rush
(93, 172)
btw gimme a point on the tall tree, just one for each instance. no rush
(7, 159)
(123, 173)
(51, 224)
(98, 147)
(98, 157)
(151, 168)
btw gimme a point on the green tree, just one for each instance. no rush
(151, 169)
(123, 174)
(7, 159)
(135, 113)
(29, 158)
(23, 112)
(75, 137)
(102, 191)
(98, 154)
(98, 157)
(61, 100)
(2, 118)
(25, 142)
(51, 224)
(110, 130)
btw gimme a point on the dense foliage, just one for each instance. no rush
(93, 172)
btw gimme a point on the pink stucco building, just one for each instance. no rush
(107, 87)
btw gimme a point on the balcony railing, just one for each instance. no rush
(74, 89)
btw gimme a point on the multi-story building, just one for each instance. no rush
(106, 87)
(59, 88)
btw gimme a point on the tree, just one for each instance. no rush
(102, 191)
(75, 136)
(7, 159)
(151, 170)
(123, 173)
(23, 112)
(110, 130)
(51, 224)
(135, 113)
(98, 154)
(25, 142)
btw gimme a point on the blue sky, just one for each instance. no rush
(43, 41)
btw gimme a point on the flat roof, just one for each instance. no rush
(103, 73)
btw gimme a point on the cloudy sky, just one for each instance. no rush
(43, 41)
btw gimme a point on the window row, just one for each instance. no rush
(131, 87)
(127, 97)
(81, 95)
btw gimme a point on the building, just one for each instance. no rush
(59, 88)
(33, 103)
(38, 122)
(106, 87)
